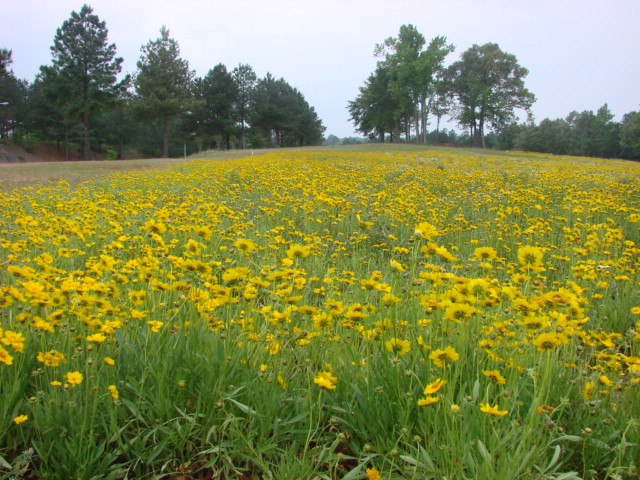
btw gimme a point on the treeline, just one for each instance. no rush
(580, 133)
(481, 92)
(81, 101)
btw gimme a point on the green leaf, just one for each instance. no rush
(244, 408)
(484, 453)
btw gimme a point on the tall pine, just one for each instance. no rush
(84, 70)
(163, 84)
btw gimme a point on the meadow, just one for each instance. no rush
(383, 314)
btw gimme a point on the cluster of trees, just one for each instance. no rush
(410, 83)
(482, 92)
(81, 99)
(580, 133)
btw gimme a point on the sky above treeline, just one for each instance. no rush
(580, 53)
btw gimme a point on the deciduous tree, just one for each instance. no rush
(487, 85)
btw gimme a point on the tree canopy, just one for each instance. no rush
(84, 70)
(399, 94)
(81, 99)
(162, 84)
(487, 86)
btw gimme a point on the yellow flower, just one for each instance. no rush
(14, 340)
(485, 253)
(274, 348)
(325, 380)
(137, 297)
(245, 245)
(155, 325)
(434, 386)
(487, 408)
(109, 361)
(152, 226)
(586, 391)
(397, 266)
(138, 314)
(428, 400)
(425, 230)
(322, 321)
(5, 357)
(52, 358)
(444, 357)
(398, 345)
(55, 383)
(20, 419)
(373, 474)
(530, 257)
(113, 391)
(458, 311)
(74, 378)
(96, 338)
(604, 380)
(390, 299)
(549, 341)
(297, 251)
(494, 376)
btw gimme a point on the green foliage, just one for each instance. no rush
(580, 134)
(630, 136)
(163, 84)
(487, 85)
(282, 115)
(257, 141)
(400, 92)
(245, 80)
(215, 116)
(84, 70)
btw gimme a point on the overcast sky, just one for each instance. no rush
(580, 53)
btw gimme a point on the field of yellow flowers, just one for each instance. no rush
(322, 315)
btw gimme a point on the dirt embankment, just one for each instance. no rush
(39, 153)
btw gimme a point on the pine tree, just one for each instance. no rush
(85, 69)
(163, 84)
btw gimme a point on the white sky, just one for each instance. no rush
(580, 53)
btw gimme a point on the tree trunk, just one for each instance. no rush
(66, 142)
(86, 144)
(120, 152)
(165, 138)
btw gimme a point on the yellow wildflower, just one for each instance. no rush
(402, 347)
(325, 380)
(74, 378)
(444, 357)
(495, 411)
(20, 419)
